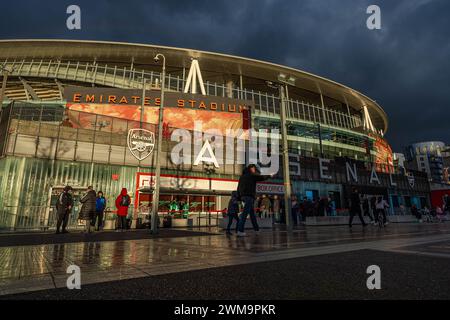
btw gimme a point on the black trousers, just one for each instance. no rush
(122, 222)
(353, 213)
(231, 217)
(63, 218)
(98, 219)
(383, 212)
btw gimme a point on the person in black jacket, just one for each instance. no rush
(355, 208)
(87, 211)
(247, 193)
(63, 207)
(233, 211)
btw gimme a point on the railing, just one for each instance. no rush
(122, 77)
(31, 218)
(45, 218)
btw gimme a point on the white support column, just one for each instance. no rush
(367, 121)
(194, 75)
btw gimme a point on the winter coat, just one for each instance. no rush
(265, 202)
(233, 205)
(65, 201)
(247, 183)
(87, 210)
(100, 204)
(122, 210)
(355, 202)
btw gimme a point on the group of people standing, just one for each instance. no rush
(92, 209)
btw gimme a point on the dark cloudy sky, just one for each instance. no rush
(405, 66)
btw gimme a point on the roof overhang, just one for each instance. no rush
(142, 54)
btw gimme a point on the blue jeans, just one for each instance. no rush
(248, 210)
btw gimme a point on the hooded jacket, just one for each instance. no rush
(122, 210)
(247, 183)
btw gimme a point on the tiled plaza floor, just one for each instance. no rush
(34, 267)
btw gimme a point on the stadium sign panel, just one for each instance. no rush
(116, 96)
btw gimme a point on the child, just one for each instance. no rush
(233, 211)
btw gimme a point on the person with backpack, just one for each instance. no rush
(87, 211)
(233, 212)
(123, 201)
(63, 207)
(100, 205)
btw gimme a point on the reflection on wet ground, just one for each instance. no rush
(27, 268)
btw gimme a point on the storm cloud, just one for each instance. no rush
(405, 66)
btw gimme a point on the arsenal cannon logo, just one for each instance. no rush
(141, 143)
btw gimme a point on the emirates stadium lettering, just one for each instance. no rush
(82, 95)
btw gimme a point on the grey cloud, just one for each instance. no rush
(405, 66)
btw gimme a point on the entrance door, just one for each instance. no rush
(200, 209)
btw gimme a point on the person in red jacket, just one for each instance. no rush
(123, 201)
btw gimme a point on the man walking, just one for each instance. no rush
(355, 208)
(247, 193)
(63, 207)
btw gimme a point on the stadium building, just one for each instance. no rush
(70, 111)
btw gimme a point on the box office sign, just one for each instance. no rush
(270, 188)
(115, 96)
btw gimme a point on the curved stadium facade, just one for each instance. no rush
(68, 107)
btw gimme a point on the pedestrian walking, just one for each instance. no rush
(355, 208)
(63, 207)
(415, 212)
(381, 206)
(87, 211)
(100, 205)
(233, 212)
(123, 201)
(247, 193)
(366, 209)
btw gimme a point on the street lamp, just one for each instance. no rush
(155, 204)
(285, 80)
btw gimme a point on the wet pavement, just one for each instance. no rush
(28, 268)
